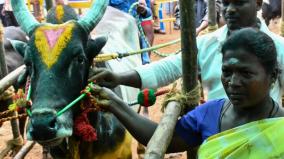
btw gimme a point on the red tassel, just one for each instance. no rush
(83, 128)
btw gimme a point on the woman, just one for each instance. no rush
(248, 72)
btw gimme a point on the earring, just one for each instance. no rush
(272, 85)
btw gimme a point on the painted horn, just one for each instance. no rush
(24, 17)
(94, 15)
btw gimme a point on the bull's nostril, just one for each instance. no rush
(52, 123)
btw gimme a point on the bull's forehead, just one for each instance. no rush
(50, 40)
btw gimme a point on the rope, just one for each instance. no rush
(209, 29)
(142, 34)
(186, 100)
(2, 120)
(282, 28)
(11, 144)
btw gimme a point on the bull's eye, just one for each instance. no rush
(80, 59)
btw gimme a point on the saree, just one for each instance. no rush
(255, 140)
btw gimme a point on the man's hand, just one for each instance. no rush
(104, 77)
(104, 97)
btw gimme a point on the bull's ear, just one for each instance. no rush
(19, 46)
(95, 46)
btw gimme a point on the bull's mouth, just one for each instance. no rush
(51, 143)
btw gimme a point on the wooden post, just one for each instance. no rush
(159, 142)
(11, 78)
(24, 150)
(212, 12)
(4, 72)
(282, 19)
(189, 51)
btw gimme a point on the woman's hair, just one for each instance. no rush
(255, 42)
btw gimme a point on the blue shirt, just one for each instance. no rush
(200, 123)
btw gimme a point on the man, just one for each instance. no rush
(237, 14)
(201, 15)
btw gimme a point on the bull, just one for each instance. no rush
(58, 58)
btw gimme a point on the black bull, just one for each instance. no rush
(58, 70)
(13, 59)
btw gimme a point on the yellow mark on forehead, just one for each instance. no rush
(59, 12)
(50, 40)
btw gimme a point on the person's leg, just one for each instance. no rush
(1, 15)
(148, 31)
(177, 16)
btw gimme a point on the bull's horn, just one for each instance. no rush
(25, 19)
(94, 15)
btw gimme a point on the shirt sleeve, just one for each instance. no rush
(200, 123)
(160, 73)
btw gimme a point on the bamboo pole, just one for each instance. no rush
(4, 72)
(11, 78)
(282, 19)
(24, 150)
(159, 142)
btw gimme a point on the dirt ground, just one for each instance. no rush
(154, 111)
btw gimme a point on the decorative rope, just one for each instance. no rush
(142, 34)
(209, 29)
(147, 97)
(187, 100)
(17, 142)
(212, 28)
(9, 93)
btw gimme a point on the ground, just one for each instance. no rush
(155, 113)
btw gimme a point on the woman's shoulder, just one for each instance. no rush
(212, 103)
(280, 112)
(210, 107)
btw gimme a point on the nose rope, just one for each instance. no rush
(84, 93)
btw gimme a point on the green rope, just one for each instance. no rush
(142, 34)
(87, 90)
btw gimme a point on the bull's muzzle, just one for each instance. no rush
(43, 125)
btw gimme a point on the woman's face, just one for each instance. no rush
(244, 78)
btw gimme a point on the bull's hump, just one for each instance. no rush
(50, 40)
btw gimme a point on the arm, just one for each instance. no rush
(140, 127)
(107, 78)
(202, 26)
(154, 75)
